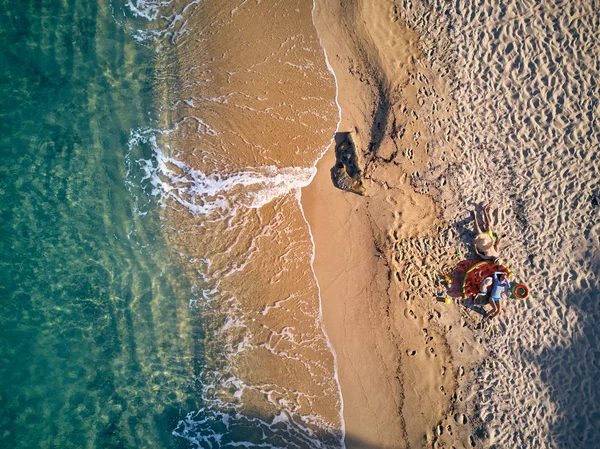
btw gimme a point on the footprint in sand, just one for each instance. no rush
(391, 200)
(404, 296)
(415, 282)
(460, 418)
(400, 133)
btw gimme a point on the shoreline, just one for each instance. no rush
(323, 327)
(392, 395)
(268, 300)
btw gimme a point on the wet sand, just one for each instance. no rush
(253, 112)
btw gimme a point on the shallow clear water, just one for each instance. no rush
(98, 347)
(248, 108)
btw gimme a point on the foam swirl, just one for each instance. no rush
(171, 179)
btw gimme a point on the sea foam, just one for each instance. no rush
(247, 243)
(171, 179)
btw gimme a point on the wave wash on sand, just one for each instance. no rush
(249, 106)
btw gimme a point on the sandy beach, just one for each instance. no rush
(440, 109)
(399, 366)
(429, 133)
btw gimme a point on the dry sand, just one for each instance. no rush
(402, 354)
(525, 85)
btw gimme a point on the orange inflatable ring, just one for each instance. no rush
(477, 273)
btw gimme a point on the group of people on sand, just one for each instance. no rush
(487, 245)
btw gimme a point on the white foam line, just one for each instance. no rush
(312, 240)
(330, 69)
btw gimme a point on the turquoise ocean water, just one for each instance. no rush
(96, 333)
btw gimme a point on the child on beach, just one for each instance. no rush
(487, 243)
(500, 283)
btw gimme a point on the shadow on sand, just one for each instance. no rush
(572, 373)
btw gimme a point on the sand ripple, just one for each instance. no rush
(524, 78)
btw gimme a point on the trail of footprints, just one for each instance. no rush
(415, 262)
(418, 265)
(417, 120)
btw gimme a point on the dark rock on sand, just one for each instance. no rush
(346, 173)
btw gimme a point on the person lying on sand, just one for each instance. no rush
(487, 243)
(500, 283)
